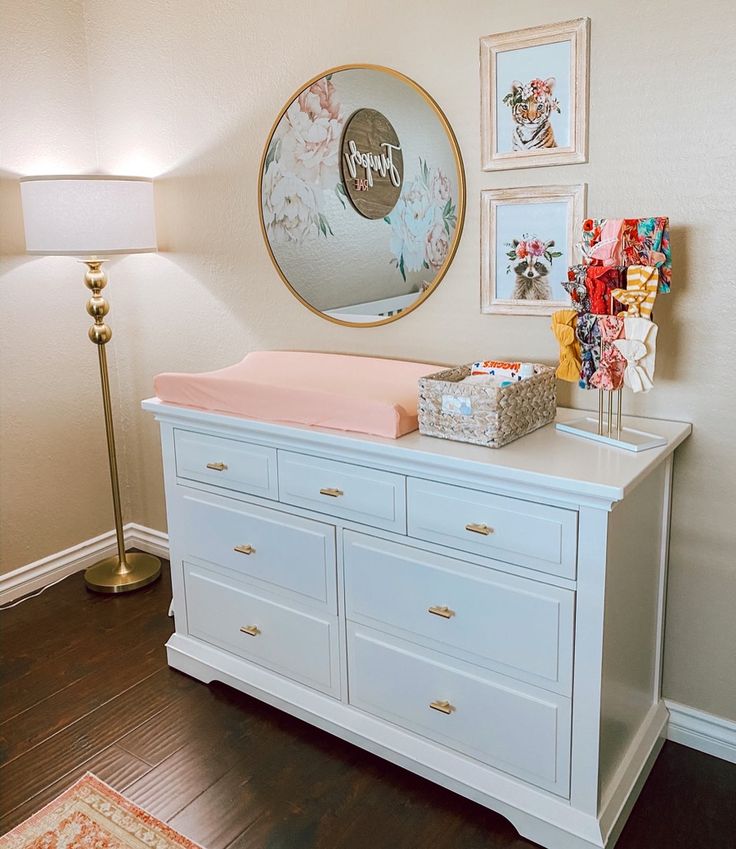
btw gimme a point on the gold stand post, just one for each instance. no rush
(123, 571)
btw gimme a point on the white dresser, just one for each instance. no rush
(489, 619)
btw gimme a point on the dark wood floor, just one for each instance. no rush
(85, 686)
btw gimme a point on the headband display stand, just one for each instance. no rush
(602, 430)
(638, 256)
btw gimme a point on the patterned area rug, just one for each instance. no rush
(91, 815)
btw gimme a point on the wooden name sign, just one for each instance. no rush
(371, 164)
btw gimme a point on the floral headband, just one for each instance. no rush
(537, 89)
(531, 246)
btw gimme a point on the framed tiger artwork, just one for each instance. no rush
(534, 96)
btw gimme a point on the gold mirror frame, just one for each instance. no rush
(421, 297)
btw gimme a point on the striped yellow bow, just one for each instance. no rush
(642, 282)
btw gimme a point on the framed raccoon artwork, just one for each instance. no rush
(534, 96)
(527, 244)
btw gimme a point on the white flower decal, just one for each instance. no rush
(422, 222)
(290, 206)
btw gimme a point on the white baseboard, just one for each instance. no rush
(706, 732)
(147, 539)
(46, 571)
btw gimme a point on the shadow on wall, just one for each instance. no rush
(207, 214)
(669, 342)
(208, 225)
(12, 236)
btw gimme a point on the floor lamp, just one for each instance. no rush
(92, 217)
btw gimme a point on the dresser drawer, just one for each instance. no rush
(512, 625)
(532, 535)
(351, 492)
(281, 552)
(299, 645)
(513, 727)
(226, 463)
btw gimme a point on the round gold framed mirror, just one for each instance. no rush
(361, 195)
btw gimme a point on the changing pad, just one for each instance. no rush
(362, 394)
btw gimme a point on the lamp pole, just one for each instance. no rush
(125, 571)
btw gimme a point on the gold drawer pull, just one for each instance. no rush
(251, 630)
(479, 529)
(441, 610)
(328, 490)
(244, 549)
(442, 706)
(217, 467)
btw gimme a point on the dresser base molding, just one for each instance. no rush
(536, 814)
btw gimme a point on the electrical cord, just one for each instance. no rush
(33, 595)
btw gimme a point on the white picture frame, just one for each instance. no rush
(525, 126)
(535, 213)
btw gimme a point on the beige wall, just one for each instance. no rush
(54, 489)
(188, 90)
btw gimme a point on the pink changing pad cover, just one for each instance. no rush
(362, 394)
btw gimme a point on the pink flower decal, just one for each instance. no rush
(439, 187)
(320, 100)
(438, 244)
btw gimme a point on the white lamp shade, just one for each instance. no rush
(83, 216)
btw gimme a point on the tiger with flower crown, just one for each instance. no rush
(532, 105)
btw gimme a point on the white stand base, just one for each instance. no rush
(631, 440)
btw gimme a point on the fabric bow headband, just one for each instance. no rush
(607, 247)
(642, 282)
(576, 288)
(639, 351)
(610, 373)
(600, 281)
(563, 327)
(589, 336)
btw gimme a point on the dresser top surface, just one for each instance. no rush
(546, 458)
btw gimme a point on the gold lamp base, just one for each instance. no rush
(112, 576)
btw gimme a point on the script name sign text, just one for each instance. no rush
(371, 163)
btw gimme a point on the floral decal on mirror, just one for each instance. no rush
(361, 194)
(422, 222)
(302, 164)
(302, 168)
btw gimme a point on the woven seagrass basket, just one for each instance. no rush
(485, 414)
